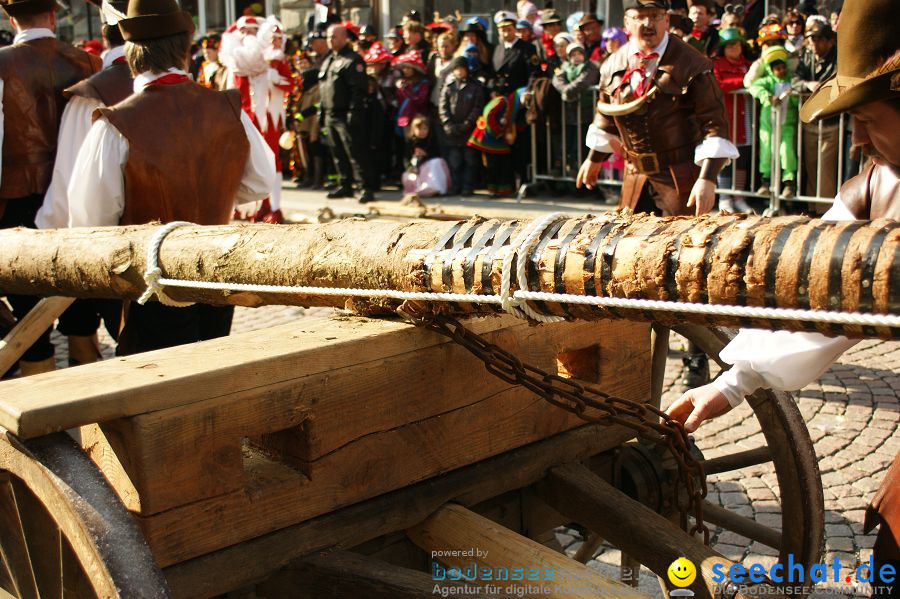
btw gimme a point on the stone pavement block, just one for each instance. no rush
(839, 544)
(838, 530)
(732, 538)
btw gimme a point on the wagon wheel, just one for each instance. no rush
(788, 447)
(63, 531)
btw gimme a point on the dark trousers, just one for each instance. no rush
(154, 326)
(20, 212)
(501, 176)
(347, 148)
(463, 164)
(84, 315)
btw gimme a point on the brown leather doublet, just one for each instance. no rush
(660, 138)
(874, 193)
(187, 150)
(111, 85)
(34, 75)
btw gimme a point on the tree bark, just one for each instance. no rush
(787, 262)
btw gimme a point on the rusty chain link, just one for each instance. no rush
(593, 405)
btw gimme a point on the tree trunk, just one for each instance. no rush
(787, 262)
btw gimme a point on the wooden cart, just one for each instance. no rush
(336, 454)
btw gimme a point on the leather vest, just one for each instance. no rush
(111, 85)
(187, 150)
(874, 193)
(34, 75)
(687, 107)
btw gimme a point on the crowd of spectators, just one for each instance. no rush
(474, 85)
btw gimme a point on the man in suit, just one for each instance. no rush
(515, 61)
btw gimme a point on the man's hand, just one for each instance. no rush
(697, 406)
(703, 196)
(588, 174)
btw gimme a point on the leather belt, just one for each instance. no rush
(650, 163)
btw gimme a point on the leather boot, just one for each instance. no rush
(29, 368)
(84, 349)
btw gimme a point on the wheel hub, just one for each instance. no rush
(646, 472)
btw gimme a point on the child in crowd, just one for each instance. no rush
(729, 70)
(769, 36)
(560, 43)
(573, 82)
(613, 39)
(461, 102)
(778, 107)
(378, 65)
(427, 173)
(412, 88)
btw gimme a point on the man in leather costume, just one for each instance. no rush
(867, 85)
(661, 107)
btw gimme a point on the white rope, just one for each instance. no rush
(153, 275)
(515, 302)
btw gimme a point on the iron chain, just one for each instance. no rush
(593, 405)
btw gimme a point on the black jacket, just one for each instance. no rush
(518, 67)
(342, 83)
(460, 106)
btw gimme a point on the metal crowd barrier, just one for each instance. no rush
(557, 165)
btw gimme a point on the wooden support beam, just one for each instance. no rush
(338, 574)
(454, 530)
(574, 490)
(251, 561)
(27, 330)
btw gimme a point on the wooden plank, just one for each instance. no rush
(239, 565)
(27, 330)
(188, 453)
(586, 498)
(277, 495)
(340, 574)
(127, 386)
(453, 528)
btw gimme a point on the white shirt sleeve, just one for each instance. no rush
(780, 360)
(599, 140)
(259, 172)
(73, 129)
(715, 147)
(97, 189)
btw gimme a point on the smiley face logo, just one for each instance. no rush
(682, 572)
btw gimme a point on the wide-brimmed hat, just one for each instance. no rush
(868, 67)
(153, 19)
(23, 8)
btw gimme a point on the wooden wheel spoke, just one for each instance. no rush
(43, 539)
(736, 461)
(74, 581)
(751, 529)
(12, 540)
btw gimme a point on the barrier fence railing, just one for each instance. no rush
(556, 157)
